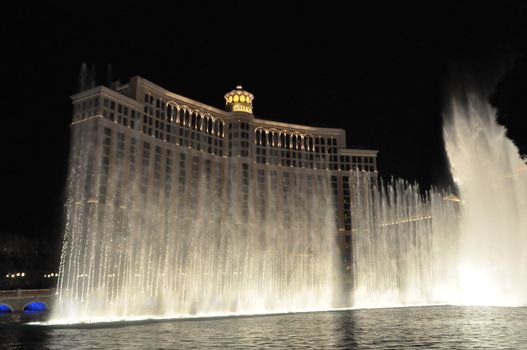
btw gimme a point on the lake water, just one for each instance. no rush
(438, 327)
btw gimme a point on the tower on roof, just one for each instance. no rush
(239, 100)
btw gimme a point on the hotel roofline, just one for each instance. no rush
(119, 92)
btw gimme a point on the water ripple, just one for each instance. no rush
(440, 327)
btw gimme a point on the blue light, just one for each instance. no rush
(4, 309)
(35, 306)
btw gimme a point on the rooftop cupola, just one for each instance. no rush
(239, 100)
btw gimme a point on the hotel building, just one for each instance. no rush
(166, 142)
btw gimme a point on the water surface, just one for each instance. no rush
(441, 327)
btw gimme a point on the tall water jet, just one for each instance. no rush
(231, 241)
(492, 182)
(404, 244)
(413, 249)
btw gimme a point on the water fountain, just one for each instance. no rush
(404, 244)
(198, 253)
(414, 249)
(203, 253)
(492, 181)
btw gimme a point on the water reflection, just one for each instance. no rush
(420, 327)
(345, 329)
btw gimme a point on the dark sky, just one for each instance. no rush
(377, 69)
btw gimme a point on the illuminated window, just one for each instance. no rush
(235, 98)
(242, 98)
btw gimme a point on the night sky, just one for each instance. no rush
(379, 70)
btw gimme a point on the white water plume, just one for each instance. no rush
(411, 249)
(216, 246)
(492, 182)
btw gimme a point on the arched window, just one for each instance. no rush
(176, 118)
(298, 143)
(193, 121)
(169, 112)
(187, 118)
(216, 128)
(183, 116)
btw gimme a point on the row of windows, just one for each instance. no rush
(86, 108)
(179, 125)
(238, 132)
(346, 198)
(122, 117)
(182, 115)
(313, 161)
(134, 148)
(112, 110)
(166, 131)
(206, 123)
(239, 139)
(157, 167)
(293, 140)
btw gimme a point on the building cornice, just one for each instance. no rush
(257, 122)
(298, 127)
(106, 91)
(162, 91)
(231, 115)
(358, 152)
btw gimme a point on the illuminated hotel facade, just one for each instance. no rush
(166, 141)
